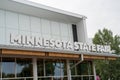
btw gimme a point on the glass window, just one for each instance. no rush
(40, 67)
(90, 68)
(49, 67)
(55, 68)
(85, 68)
(73, 70)
(24, 67)
(0, 66)
(82, 69)
(63, 68)
(8, 67)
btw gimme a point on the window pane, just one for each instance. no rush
(63, 68)
(55, 68)
(73, 69)
(82, 69)
(8, 67)
(90, 69)
(24, 67)
(40, 68)
(49, 68)
(0, 66)
(85, 68)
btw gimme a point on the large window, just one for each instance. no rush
(85, 68)
(24, 67)
(55, 68)
(0, 67)
(8, 67)
(16, 68)
(47, 69)
(82, 71)
(52, 69)
(40, 67)
(73, 70)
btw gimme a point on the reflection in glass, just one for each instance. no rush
(85, 68)
(40, 68)
(90, 69)
(49, 68)
(8, 67)
(0, 67)
(63, 68)
(73, 69)
(55, 68)
(82, 69)
(24, 67)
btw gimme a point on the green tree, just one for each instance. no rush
(108, 69)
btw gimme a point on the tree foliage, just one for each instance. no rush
(108, 69)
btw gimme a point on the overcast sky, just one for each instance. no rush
(100, 13)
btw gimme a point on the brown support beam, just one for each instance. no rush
(53, 54)
(93, 57)
(38, 53)
(64, 55)
(22, 52)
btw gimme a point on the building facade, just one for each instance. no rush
(43, 43)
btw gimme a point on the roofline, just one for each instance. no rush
(38, 5)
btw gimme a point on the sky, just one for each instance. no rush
(100, 13)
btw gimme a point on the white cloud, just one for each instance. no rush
(100, 13)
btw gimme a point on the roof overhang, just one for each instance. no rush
(38, 10)
(91, 55)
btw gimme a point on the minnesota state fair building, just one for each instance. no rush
(38, 42)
